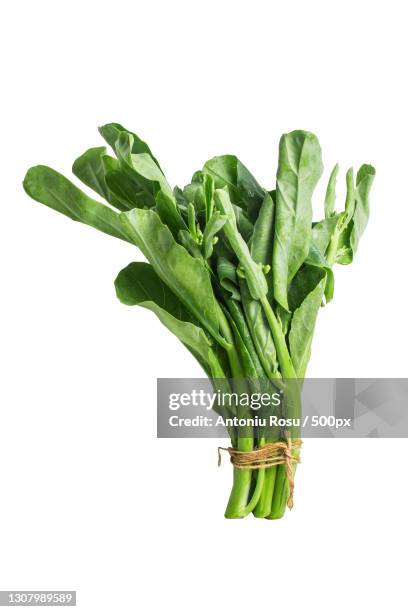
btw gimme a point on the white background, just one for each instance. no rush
(89, 498)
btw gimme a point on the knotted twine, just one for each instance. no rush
(274, 453)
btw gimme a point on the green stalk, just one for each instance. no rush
(281, 484)
(263, 507)
(242, 479)
(238, 504)
(242, 327)
(260, 479)
(281, 490)
(287, 369)
(241, 486)
(280, 494)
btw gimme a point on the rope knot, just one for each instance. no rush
(284, 452)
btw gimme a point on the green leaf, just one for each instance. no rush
(344, 252)
(145, 166)
(253, 272)
(89, 169)
(299, 169)
(126, 190)
(305, 281)
(323, 231)
(330, 198)
(245, 226)
(186, 276)
(357, 212)
(284, 317)
(169, 213)
(243, 188)
(52, 189)
(212, 228)
(138, 284)
(227, 275)
(124, 146)
(302, 328)
(317, 260)
(194, 192)
(180, 198)
(111, 132)
(365, 178)
(262, 237)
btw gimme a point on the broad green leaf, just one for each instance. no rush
(330, 198)
(52, 189)
(186, 276)
(212, 228)
(111, 132)
(126, 190)
(88, 167)
(124, 152)
(299, 169)
(305, 281)
(138, 284)
(243, 188)
(145, 166)
(262, 237)
(302, 328)
(253, 272)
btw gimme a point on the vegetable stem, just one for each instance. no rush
(287, 369)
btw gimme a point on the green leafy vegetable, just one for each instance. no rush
(237, 272)
(138, 284)
(330, 198)
(186, 276)
(299, 169)
(243, 188)
(54, 190)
